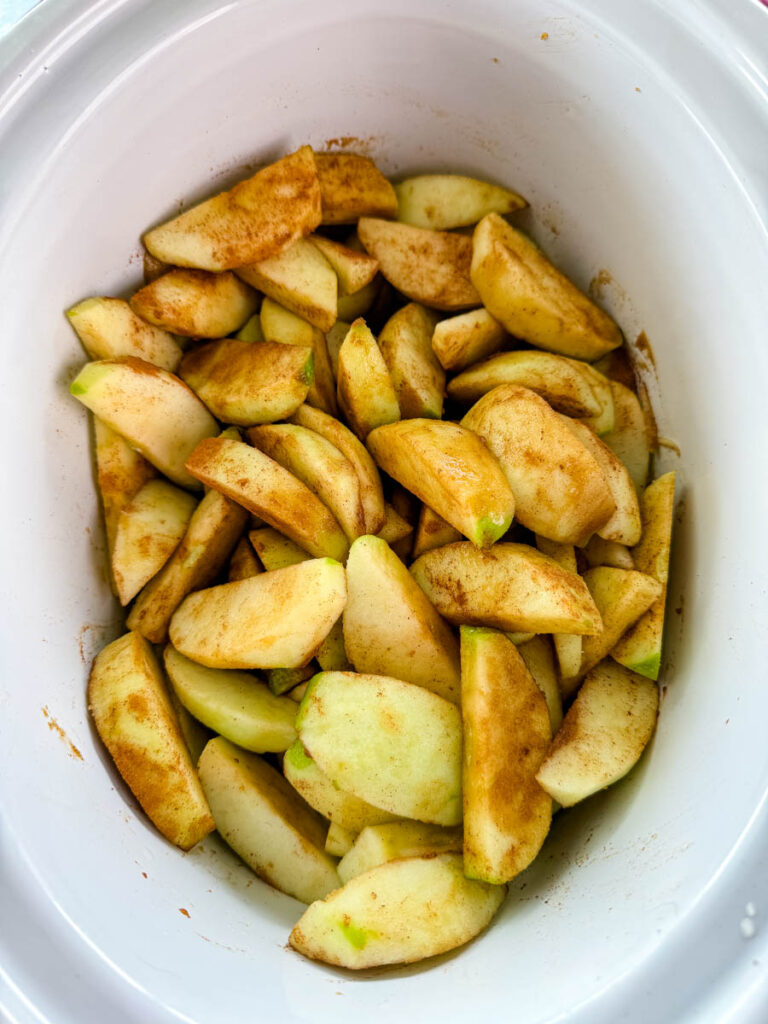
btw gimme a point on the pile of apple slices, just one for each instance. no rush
(284, 495)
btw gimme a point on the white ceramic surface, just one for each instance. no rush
(639, 134)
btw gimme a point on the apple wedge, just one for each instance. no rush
(109, 328)
(390, 628)
(280, 324)
(460, 341)
(639, 649)
(275, 620)
(246, 383)
(537, 654)
(432, 532)
(444, 201)
(398, 912)
(450, 469)
(339, 840)
(602, 736)
(512, 587)
(215, 527)
(261, 485)
(129, 703)
(430, 267)
(365, 389)
(629, 439)
(560, 490)
(251, 330)
(603, 422)
(334, 339)
(532, 299)
(120, 391)
(332, 653)
(624, 526)
(371, 493)
(301, 279)
(418, 378)
(244, 563)
(284, 680)
(621, 597)
(395, 528)
(567, 645)
(121, 472)
(560, 381)
(506, 734)
(391, 743)
(378, 844)
(354, 269)
(340, 807)
(195, 303)
(608, 552)
(318, 464)
(149, 530)
(350, 307)
(265, 822)
(275, 550)
(194, 733)
(256, 219)
(234, 704)
(352, 186)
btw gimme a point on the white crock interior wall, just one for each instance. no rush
(620, 177)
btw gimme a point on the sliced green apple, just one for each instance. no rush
(109, 327)
(366, 392)
(444, 201)
(196, 303)
(459, 341)
(352, 186)
(301, 279)
(417, 376)
(377, 844)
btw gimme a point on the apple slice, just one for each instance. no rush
(532, 299)
(560, 490)
(395, 528)
(354, 269)
(265, 822)
(629, 438)
(301, 279)
(251, 330)
(149, 530)
(244, 563)
(390, 628)
(246, 383)
(280, 324)
(506, 734)
(365, 390)
(121, 472)
(371, 493)
(332, 653)
(318, 464)
(284, 680)
(350, 307)
(391, 743)
(431, 267)
(567, 645)
(537, 654)
(275, 550)
(275, 620)
(604, 421)
(194, 733)
(339, 840)
(234, 704)
(558, 380)
(325, 796)
(512, 587)
(352, 186)
(398, 912)
(256, 219)
(120, 391)
(136, 722)
(261, 485)
(378, 844)
(451, 470)
(624, 526)
(608, 552)
(334, 339)
(621, 597)
(432, 532)
(109, 327)
(195, 303)
(602, 736)
(417, 376)
(444, 201)
(462, 340)
(639, 649)
(212, 533)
